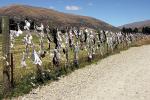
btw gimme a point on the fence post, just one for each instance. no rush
(6, 54)
(12, 70)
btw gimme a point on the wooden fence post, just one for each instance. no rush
(6, 54)
(12, 70)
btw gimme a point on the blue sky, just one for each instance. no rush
(114, 12)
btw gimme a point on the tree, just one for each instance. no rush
(130, 30)
(123, 30)
(136, 30)
(143, 30)
(127, 30)
(146, 30)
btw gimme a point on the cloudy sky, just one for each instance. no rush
(115, 12)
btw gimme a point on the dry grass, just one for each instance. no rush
(143, 41)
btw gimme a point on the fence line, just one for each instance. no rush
(89, 40)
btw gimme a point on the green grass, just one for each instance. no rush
(26, 77)
(0, 67)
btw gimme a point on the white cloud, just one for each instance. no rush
(51, 7)
(72, 7)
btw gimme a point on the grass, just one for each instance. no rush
(26, 78)
(0, 67)
(143, 41)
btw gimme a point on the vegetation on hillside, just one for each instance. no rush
(52, 17)
(144, 30)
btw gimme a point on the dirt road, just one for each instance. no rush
(124, 76)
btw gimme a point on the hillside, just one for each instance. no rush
(137, 24)
(52, 17)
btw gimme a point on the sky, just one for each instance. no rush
(114, 12)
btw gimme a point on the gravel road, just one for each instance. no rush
(124, 76)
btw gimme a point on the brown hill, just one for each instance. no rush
(137, 24)
(49, 16)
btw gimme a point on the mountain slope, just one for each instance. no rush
(48, 16)
(137, 24)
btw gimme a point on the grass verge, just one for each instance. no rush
(29, 81)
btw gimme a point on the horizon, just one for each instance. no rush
(90, 9)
